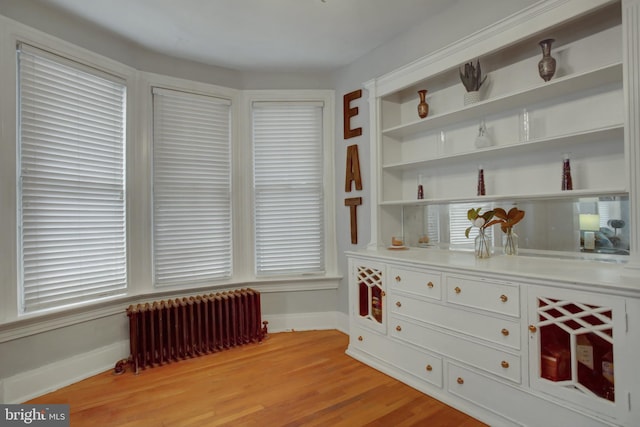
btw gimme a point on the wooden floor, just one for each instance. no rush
(290, 379)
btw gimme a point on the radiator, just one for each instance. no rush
(167, 331)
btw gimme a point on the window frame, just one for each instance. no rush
(12, 34)
(159, 90)
(67, 73)
(303, 280)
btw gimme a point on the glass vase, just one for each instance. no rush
(510, 242)
(481, 244)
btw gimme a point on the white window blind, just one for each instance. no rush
(288, 188)
(191, 188)
(71, 147)
(458, 223)
(433, 224)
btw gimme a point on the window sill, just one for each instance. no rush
(42, 322)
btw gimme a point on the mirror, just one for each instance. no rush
(594, 225)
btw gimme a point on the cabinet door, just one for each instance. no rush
(368, 294)
(575, 341)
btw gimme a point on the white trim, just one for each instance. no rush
(302, 321)
(374, 148)
(34, 383)
(35, 324)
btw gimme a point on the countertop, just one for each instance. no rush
(605, 275)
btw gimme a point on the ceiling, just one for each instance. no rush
(249, 35)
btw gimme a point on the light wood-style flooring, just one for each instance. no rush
(290, 379)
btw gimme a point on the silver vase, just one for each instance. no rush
(547, 65)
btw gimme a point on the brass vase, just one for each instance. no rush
(547, 65)
(423, 107)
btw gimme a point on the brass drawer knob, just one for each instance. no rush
(398, 279)
(505, 332)
(398, 304)
(360, 338)
(457, 290)
(398, 328)
(532, 329)
(504, 364)
(504, 298)
(430, 285)
(429, 368)
(460, 380)
(383, 293)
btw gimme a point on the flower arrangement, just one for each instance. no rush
(507, 220)
(491, 217)
(482, 221)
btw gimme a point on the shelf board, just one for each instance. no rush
(604, 133)
(510, 197)
(540, 92)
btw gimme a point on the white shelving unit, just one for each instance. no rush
(579, 111)
(531, 95)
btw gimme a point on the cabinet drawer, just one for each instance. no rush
(424, 282)
(498, 362)
(482, 391)
(499, 331)
(497, 297)
(418, 363)
(368, 341)
(425, 366)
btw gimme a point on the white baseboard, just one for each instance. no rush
(28, 385)
(307, 321)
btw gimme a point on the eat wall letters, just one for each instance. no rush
(352, 173)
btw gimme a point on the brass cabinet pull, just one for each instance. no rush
(532, 329)
(429, 368)
(398, 328)
(384, 294)
(504, 298)
(460, 380)
(504, 364)
(457, 290)
(360, 338)
(505, 332)
(430, 285)
(398, 304)
(398, 279)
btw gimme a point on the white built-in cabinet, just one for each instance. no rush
(506, 349)
(511, 340)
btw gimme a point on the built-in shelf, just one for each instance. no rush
(541, 92)
(615, 132)
(511, 197)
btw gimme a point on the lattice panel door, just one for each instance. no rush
(370, 294)
(577, 346)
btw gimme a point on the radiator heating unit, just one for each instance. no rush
(167, 331)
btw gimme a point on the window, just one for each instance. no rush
(458, 223)
(71, 182)
(288, 188)
(191, 188)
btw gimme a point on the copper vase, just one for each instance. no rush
(423, 107)
(547, 65)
